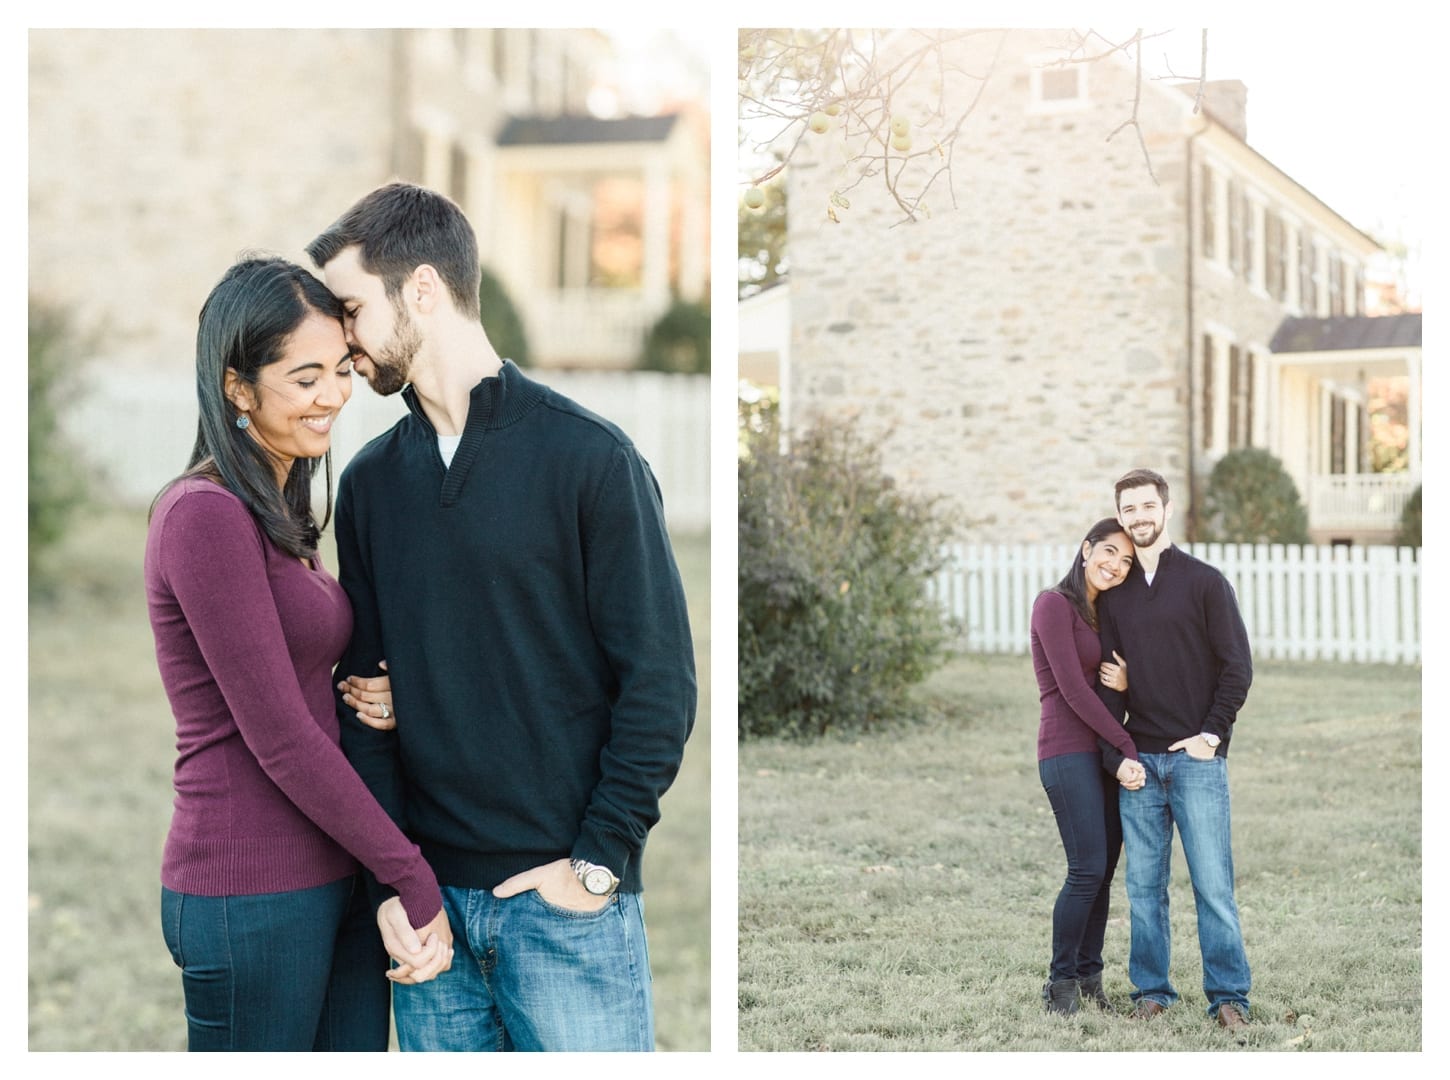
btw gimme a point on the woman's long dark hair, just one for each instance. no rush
(245, 325)
(1074, 583)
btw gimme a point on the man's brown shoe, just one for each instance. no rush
(1146, 1010)
(1231, 1017)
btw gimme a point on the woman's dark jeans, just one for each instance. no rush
(1085, 802)
(300, 970)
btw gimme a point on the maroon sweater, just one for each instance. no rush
(246, 638)
(1065, 655)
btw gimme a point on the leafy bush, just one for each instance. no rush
(834, 620)
(1251, 499)
(1409, 534)
(57, 480)
(501, 321)
(679, 341)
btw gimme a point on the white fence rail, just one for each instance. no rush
(1299, 603)
(136, 429)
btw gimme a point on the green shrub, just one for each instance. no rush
(1251, 499)
(57, 480)
(679, 341)
(1409, 534)
(501, 321)
(834, 620)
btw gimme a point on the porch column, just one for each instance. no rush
(1412, 408)
(655, 274)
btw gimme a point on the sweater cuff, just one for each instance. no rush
(602, 847)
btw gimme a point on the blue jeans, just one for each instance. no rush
(297, 970)
(1193, 795)
(1085, 802)
(528, 975)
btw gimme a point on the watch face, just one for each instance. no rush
(597, 881)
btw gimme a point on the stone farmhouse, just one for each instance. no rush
(1071, 309)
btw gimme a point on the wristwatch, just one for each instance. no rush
(1212, 740)
(597, 880)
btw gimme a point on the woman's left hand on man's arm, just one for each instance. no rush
(372, 698)
(1114, 675)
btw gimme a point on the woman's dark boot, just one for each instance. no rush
(1091, 989)
(1061, 996)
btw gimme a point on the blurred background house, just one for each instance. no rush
(1078, 305)
(580, 157)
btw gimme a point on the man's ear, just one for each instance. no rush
(424, 288)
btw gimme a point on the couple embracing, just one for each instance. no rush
(430, 778)
(1141, 627)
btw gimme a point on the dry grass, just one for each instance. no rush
(896, 890)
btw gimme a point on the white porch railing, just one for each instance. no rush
(1364, 501)
(605, 326)
(1298, 603)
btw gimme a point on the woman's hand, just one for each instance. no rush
(1131, 774)
(372, 698)
(1114, 675)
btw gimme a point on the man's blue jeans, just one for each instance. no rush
(298, 970)
(1193, 795)
(528, 975)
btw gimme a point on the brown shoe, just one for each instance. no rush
(1146, 1009)
(1231, 1017)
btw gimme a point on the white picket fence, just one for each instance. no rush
(136, 428)
(1299, 603)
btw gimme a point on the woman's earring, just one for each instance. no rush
(243, 422)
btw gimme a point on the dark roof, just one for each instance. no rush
(1347, 332)
(565, 130)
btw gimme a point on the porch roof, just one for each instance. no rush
(572, 130)
(1347, 332)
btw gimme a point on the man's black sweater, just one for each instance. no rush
(1189, 666)
(527, 602)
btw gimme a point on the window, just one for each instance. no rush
(1061, 84)
(1056, 86)
(1273, 255)
(1241, 397)
(1208, 199)
(1235, 229)
(1252, 254)
(1307, 254)
(1235, 404)
(458, 175)
(1206, 419)
(1335, 275)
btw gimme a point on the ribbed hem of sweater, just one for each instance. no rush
(477, 870)
(248, 866)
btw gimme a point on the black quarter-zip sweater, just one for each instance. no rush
(1189, 666)
(528, 604)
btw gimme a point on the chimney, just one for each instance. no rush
(1227, 101)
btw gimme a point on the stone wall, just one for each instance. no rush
(1020, 350)
(158, 156)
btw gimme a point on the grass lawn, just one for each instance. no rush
(101, 750)
(896, 889)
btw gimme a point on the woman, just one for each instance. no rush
(1066, 655)
(262, 904)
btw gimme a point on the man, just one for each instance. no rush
(1176, 624)
(505, 550)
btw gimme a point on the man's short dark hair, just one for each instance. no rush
(1140, 478)
(399, 227)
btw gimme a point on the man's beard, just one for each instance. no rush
(1152, 539)
(393, 362)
